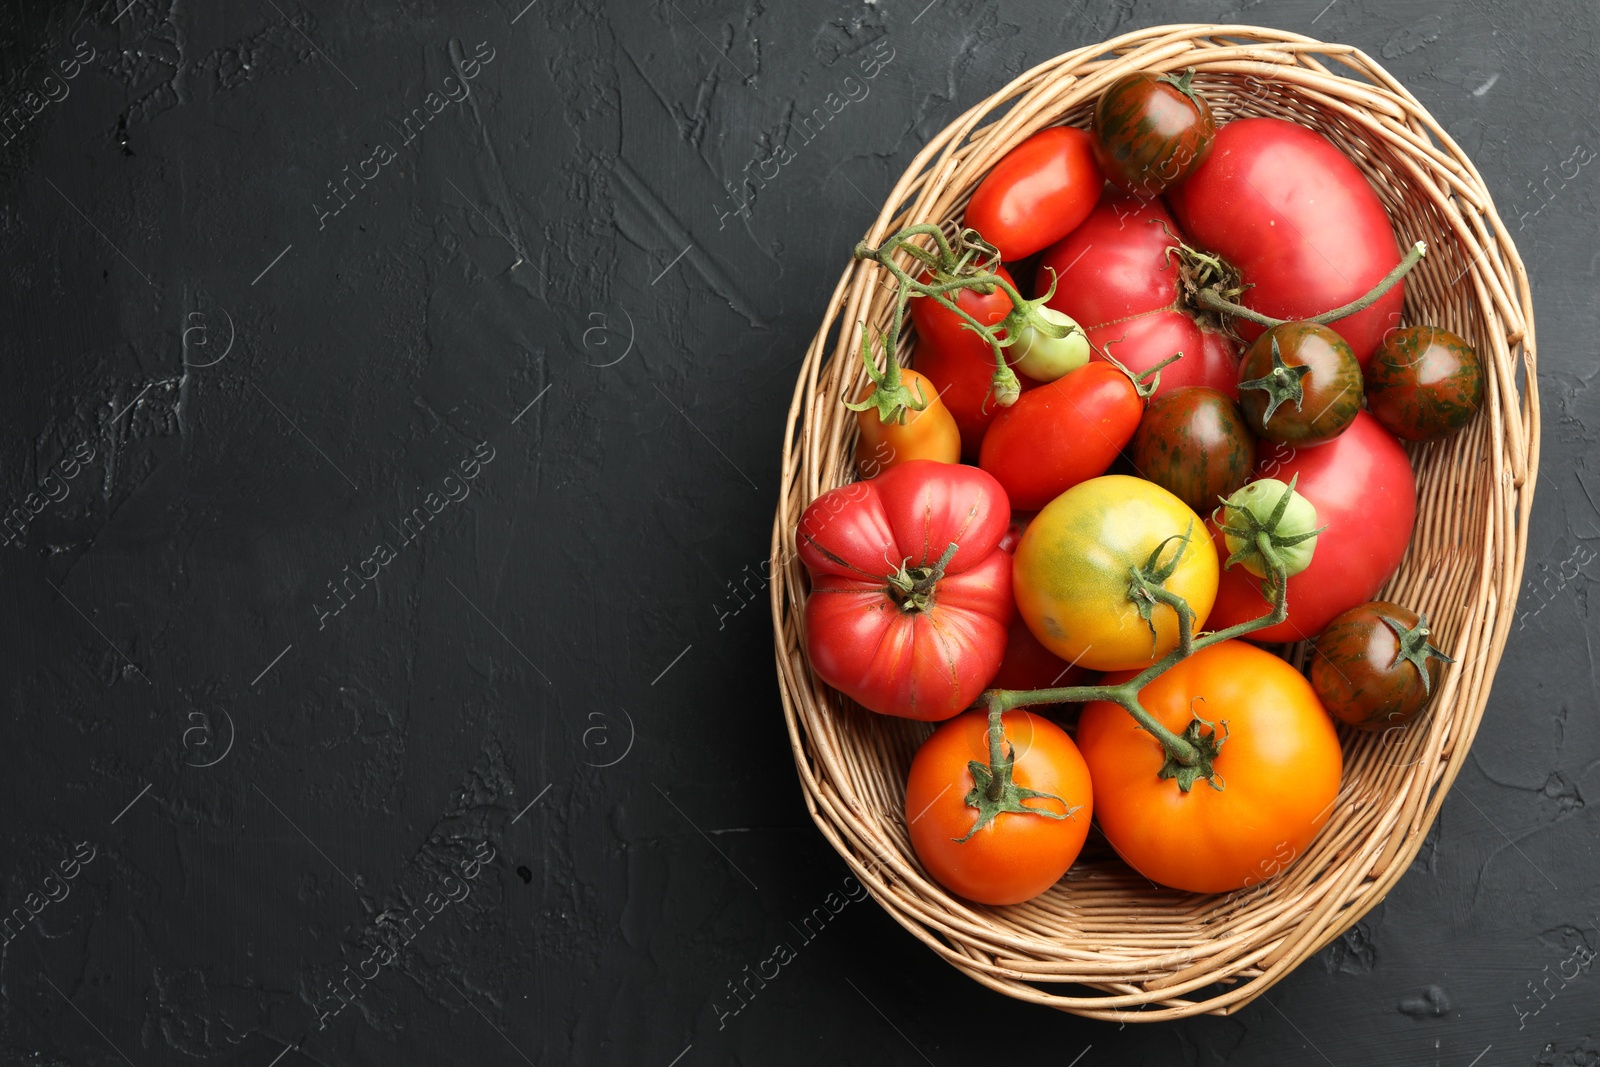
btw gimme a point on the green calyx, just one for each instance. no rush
(1281, 383)
(890, 396)
(1207, 742)
(912, 588)
(1184, 83)
(1147, 584)
(994, 791)
(1415, 648)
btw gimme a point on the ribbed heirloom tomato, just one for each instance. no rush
(1278, 771)
(910, 591)
(1072, 571)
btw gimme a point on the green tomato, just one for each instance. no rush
(1043, 358)
(1293, 538)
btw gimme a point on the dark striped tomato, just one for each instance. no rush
(1367, 666)
(1424, 383)
(1299, 384)
(1151, 130)
(1193, 443)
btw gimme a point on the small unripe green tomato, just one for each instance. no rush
(1044, 359)
(1252, 506)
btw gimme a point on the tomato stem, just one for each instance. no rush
(1212, 300)
(971, 268)
(890, 396)
(1190, 755)
(995, 791)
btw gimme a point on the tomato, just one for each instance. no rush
(1299, 221)
(1038, 193)
(1299, 384)
(1366, 495)
(1374, 668)
(1047, 358)
(959, 362)
(1290, 526)
(1279, 767)
(1115, 279)
(1029, 665)
(1071, 575)
(894, 620)
(927, 434)
(1151, 130)
(1424, 383)
(1062, 433)
(1018, 855)
(1194, 443)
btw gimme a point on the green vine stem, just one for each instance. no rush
(1190, 755)
(949, 271)
(1213, 299)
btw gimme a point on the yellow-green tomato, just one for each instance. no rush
(1071, 575)
(1044, 359)
(1260, 499)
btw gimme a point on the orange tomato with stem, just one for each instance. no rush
(1277, 764)
(902, 418)
(998, 807)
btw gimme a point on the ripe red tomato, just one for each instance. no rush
(1300, 222)
(958, 362)
(1364, 491)
(1029, 665)
(1116, 281)
(1018, 855)
(1038, 193)
(1279, 765)
(1060, 434)
(885, 623)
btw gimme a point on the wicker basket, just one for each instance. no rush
(1104, 942)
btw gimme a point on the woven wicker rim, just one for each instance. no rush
(1104, 942)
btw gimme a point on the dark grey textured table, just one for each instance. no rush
(391, 425)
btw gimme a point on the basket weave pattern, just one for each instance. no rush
(1105, 942)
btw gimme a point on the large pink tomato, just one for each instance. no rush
(1115, 278)
(1300, 222)
(1362, 487)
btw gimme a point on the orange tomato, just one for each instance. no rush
(1018, 855)
(927, 434)
(1278, 770)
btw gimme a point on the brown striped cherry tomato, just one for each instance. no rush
(1151, 130)
(1424, 383)
(1374, 667)
(1194, 443)
(1299, 384)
